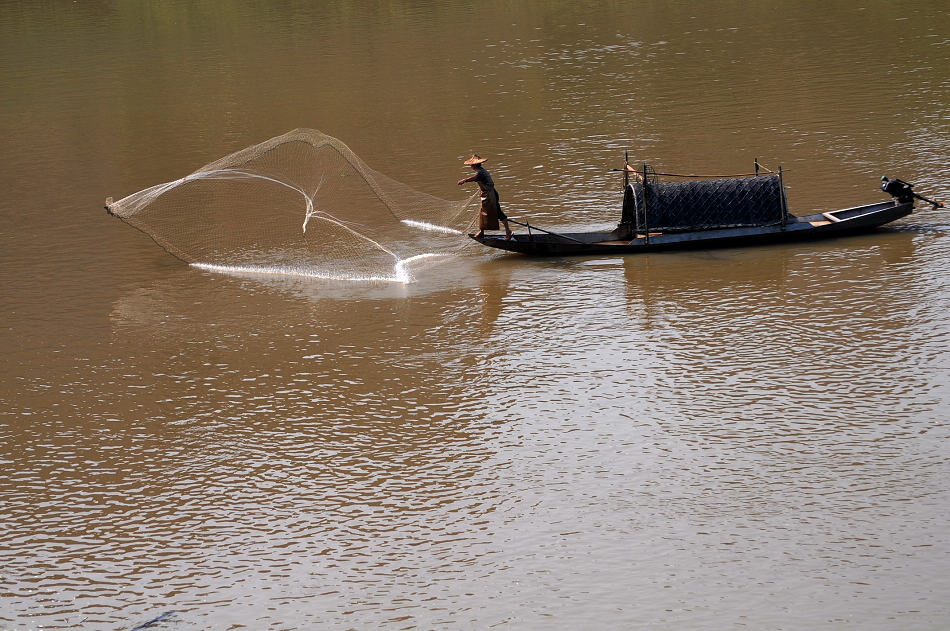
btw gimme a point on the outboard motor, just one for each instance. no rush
(904, 192)
(898, 188)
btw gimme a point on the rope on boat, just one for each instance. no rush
(529, 227)
(696, 175)
(700, 175)
(766, 169)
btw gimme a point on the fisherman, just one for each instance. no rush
(490, 211)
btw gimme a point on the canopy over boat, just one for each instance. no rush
(707, 204)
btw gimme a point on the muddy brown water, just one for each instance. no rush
(752, 438)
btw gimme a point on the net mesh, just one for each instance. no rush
(300, 203)
(717, 203)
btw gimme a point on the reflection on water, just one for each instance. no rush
(693, 440)
(285, 453)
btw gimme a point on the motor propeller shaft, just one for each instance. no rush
(904, 193)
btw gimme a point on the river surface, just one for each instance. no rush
(743, 438)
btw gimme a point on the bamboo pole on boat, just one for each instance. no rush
(781, 184)
(626, 173)
(646, 223)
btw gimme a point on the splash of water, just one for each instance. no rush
(401, 270)
(422, 225)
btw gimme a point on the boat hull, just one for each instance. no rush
(822, 225)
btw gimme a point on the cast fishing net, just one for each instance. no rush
(300, 203)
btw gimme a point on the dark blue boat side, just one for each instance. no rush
(620, 241)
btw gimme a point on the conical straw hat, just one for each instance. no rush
(475, 159)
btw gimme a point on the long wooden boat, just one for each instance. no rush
(727, 212)
(830, 224)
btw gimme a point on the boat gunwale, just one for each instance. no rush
(817, 225)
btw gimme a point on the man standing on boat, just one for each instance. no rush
(490, 211)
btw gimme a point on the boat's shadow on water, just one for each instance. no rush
(671, 278)
(702, 279)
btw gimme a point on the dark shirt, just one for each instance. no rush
(483, 177)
